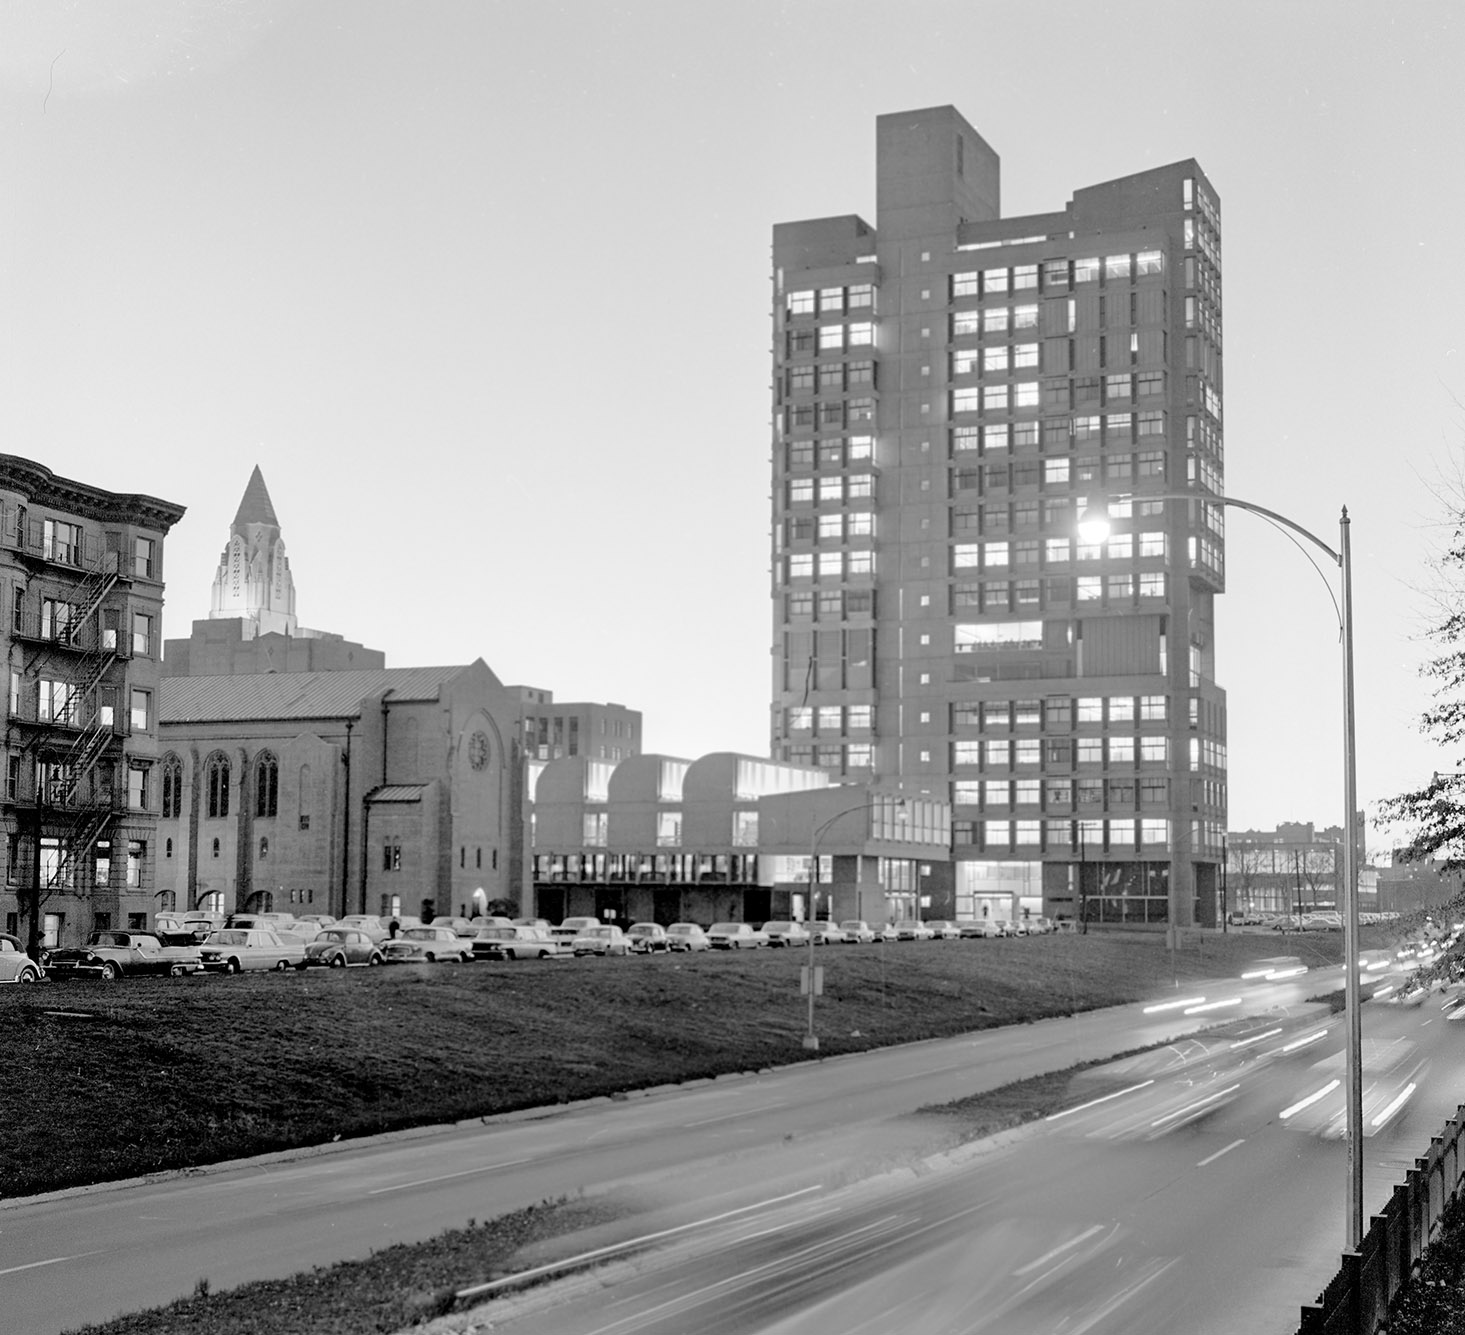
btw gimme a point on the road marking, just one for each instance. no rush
(448, 1177)
(746, 1112)
(1219, 1153)
(55, 1260)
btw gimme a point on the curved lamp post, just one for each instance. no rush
(1093, 527)
(811, 1039)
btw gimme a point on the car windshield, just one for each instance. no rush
(599, 932)
(421, 933)
(496, 933)
(108, 939)
(334, 936)
(229, 939)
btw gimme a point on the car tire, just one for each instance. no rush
(110, 972)
(177, 971)
(29, 975)
(231, 966)
(336, 962)
(374, 960)
(281, 966)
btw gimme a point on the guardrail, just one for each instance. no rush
(1356, 1301)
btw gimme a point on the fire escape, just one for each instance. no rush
(64, 782)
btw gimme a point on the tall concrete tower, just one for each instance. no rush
(253, 583)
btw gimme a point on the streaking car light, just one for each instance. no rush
(1192, 1107)
(1309, 1100)
(1393, 1106)
(1255, 973)
(1094, 1103)
(1173, 1005)
(1304, 1041)
(1383, 990)
(1277, 975)
(1212, 1006)
(1256, 1038)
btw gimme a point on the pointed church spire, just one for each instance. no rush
(255, 506)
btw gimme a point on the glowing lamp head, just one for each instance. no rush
(1094, 524)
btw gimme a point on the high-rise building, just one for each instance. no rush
(952, 389)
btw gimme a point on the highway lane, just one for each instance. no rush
(1227, 1225)
(149, 1242)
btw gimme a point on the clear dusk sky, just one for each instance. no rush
(484, 290)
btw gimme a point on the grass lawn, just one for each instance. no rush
(145, 1075)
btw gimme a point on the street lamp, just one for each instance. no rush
(811, 1039)
(1093, 528)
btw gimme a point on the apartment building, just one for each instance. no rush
(952, 390)
(84, 570)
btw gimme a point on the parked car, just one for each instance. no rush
(369, 923)
(198, 925)
(515, 942)
(785, 933)
(234, 949)
(462, 926)
(734, 936)
(113, 954)
(857, 932)
(531, 922)
(687, 936)
(15, 965)
(336, 947)
(426, 945)
(648, 938)
(315, 921)
(568, 930)
(827, 933)
(943, 930)
(912, 929)
(601, 939)
(1040, 926)
(980, 927)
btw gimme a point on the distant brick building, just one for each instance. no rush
(83, 639)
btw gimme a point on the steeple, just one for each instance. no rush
(253, 583)
(255, 506)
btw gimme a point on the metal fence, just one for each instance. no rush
(1356, 1301)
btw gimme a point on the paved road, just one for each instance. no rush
(1078, 1226)
(88, 1256)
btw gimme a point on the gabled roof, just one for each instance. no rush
(255, 506)
(293, 695)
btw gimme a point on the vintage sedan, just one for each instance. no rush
(735, 936)
(913, 929)
(857, 932)
(828, 934)
(15, 965)
(978, 927)
(336, 947)
(115, 954)
(235, 949)
(687, 936)
(647, 938)
(782, 932)
(942, 930)
(427, 945)
(369, 923)
(605, 939)
(516, 942)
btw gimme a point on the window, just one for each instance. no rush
(862, 334)
(1116, 266)
(1148, 262)
(1118, 387)
(137, 787)
(830, 565)
(1056, 550)
(142, 633)
(1154, 750)
(61, 542)
(996, 320)
(1055, 273)
(1024, 355)
(965, 555)
(997, 753)
(994, 281)
(1024, 275)
(391, 854)
(1089, 588)
(172, 787)
(266, 786)
(141, 707)
(1121, 750)
(964, 284)
(1055, 472)
(994, 358)
(861, 295)
(217, 783)
(57, 701)
(994, 398)
(831, 301)
(861, 486)
(1152, 423)
(1152, 544)
(1026, 395)
(1025, 317)
(1086, 270)
(965, 323)
(801, 303)
(998, 635)
(831, 338)
(801, 379)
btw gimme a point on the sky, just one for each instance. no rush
(484, 290)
